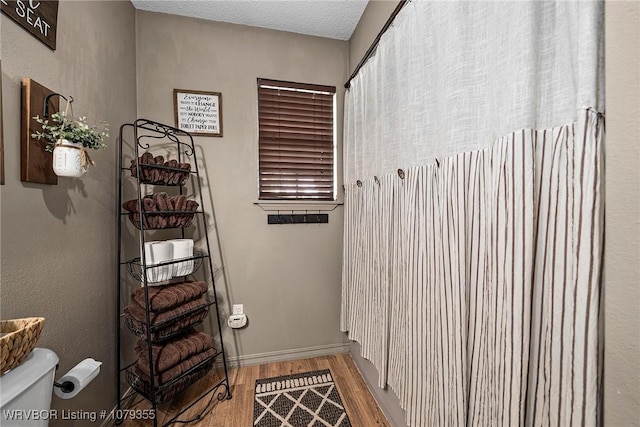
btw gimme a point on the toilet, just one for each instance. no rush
(25, 391)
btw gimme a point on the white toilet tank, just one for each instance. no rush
(25, 391)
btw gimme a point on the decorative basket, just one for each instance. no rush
(19, 337)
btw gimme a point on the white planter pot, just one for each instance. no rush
(67, 160)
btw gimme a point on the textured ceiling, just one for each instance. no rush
(334, 19)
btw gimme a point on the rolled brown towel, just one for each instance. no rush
(179, 203)
(154, 172)
(171, 328)
(161, 201)
(171, 353)
(134, 168)
(145, 171)
(171, 173)
(135, 219)
(131, 205)
(137, 311)
(184, 176)
(176, 176)
(148, 221)
(188, 219)
(165, 172)
(161, 204)
(170, 203)
(167, 297)
(147, 157)
(177, 370)
(173, 217)
(192, 205)
(148, 205)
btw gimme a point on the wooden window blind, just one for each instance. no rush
(296, 140)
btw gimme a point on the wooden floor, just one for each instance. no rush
(238, 412)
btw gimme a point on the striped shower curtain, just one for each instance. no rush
(473, 283)
(473, 233)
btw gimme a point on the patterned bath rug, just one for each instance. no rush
(309, 399)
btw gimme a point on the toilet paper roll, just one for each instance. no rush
(163, 252)
(182, 248)
(156, 253)
(79, 376)
(151, 272)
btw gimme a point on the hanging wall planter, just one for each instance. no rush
(69, 140)
(68, 159)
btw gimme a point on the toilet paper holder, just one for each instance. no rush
(74, 381)
(67, 386)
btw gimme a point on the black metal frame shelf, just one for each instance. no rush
(147, 134)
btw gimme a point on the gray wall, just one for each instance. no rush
(288, 277)
(58, 246)
(622, 249)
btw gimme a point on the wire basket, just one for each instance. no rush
(169, 328)
(161, 272)
(161, 174)
(19, 337)
(168, 391)
(162, 220)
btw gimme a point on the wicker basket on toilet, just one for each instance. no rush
(19, 337)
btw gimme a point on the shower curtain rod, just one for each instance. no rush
(373, 46)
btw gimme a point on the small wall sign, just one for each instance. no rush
(40, 18)
(198, 112)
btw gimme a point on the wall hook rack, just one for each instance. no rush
(292, 218)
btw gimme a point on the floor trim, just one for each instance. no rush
(287, 355)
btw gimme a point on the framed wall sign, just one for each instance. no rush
(198, 112)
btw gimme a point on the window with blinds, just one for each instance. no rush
(296, 141)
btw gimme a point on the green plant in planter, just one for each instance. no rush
(77, 131)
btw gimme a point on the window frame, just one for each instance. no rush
(300, 203)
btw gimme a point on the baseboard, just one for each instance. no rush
(287, 355)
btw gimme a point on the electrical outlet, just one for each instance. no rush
(238, 308)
